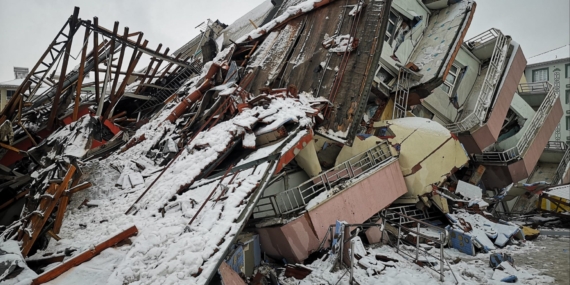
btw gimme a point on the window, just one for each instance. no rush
(450, 80)
(568, 123)
(567, 70)
(384, 76)
(10, 93)
(392, 23)
(539, 75)
(568, 96)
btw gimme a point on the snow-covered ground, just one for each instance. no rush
(467, 269)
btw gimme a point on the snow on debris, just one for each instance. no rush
(292, 11)
(162, 252)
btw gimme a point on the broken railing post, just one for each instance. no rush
(84, 256)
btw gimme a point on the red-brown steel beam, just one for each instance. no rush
(152, 60)
(119, 65)
(72, 29)
(81, 74)
(132, 64)
(158, 64)
(96, 58)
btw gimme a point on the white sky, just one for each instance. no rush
(28, 26)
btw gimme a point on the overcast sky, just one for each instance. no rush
(28, 26)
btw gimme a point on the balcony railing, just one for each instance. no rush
(556, 145)
(534, 88)
(524, 143)
(494, 71)
(296, 199)
(561, 169)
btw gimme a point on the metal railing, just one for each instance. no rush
(402, 244)
(561, 169)
(494, 71)
(556, 145)
(483, 38)
(296, 199)
(402, 93)
(523, 144)
(534, 88)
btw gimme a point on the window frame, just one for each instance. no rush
(388, 36)
(541, 69)
(568, 123)
(567, 70)
(448, 84)
(567, 96)
(10, 93)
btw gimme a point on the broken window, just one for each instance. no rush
(10, 94)
(539, 75)
(384, 75)
(512, 125)
(450, 80)
(421, 111)
(392, 23)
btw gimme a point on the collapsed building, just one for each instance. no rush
(266, 132)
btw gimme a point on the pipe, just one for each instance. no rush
(196, 95)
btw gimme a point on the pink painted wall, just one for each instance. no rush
(297, 239)
(361, 201)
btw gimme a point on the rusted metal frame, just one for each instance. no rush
(96, 59)
(81, 74)
(14, 199)
(248, 55)
(166, 69)
(132, 64)
(107, 74)
(344, 61)
(72, 30)
(158, 64)
(84, 256)
(230, 182)
(32, 72)
(145, 50)
(118, 69)
(209, 197)
(152, 60)
(171, 162)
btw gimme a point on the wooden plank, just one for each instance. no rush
(84, 256)
(16, 198)
(47, 205)
(63, 205)
(9, 147)
(78, 188)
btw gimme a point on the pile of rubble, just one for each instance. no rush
(237, 157)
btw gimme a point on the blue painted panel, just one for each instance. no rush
(256, 250)
(237, 260)
(462, 242)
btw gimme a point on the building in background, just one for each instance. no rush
(8, 88)
(553, 67)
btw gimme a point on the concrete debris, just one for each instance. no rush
(280, 150)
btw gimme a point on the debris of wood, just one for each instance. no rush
(84, 256)
(297, 271)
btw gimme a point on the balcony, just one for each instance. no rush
(292, 223)
(552, 164)
(295, 200)
(534, 93)
(516, 163)
(477, 105)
